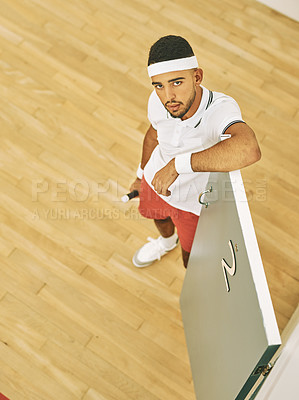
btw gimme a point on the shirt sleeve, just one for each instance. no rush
(156, 111)
(222, 115)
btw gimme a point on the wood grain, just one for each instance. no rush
(78, 321)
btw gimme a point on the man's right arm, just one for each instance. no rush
(150, 142)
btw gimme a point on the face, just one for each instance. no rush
(179, 91)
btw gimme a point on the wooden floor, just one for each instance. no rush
(77, 320)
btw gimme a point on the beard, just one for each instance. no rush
(185, 109)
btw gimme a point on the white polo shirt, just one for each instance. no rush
(214, 115)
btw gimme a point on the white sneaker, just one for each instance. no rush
(152, 251)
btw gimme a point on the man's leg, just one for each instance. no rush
(185, 256)
(185, 223)
(153, 207)
(165, 227)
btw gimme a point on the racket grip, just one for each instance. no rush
(129, 196)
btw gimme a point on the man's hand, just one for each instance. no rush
(135, 185)
(164, 178)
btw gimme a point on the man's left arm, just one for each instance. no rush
(237, 152)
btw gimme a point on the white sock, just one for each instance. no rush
(170, 241)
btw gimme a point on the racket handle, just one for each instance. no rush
(129, 196)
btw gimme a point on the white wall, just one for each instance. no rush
(287, 7)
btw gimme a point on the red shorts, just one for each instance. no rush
(153, 207)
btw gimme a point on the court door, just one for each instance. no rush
(229, 322)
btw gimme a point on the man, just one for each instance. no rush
(182, 145)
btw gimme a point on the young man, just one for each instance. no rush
(182, 145)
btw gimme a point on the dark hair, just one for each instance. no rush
(169, 48)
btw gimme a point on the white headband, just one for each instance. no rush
(180, 64)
